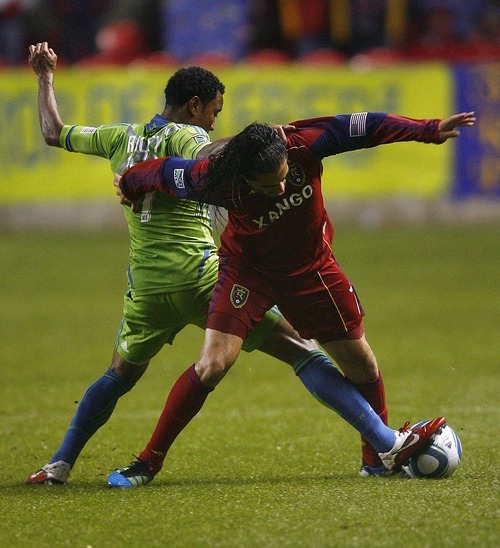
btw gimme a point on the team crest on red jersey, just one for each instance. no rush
(239, 296)
(296, 175)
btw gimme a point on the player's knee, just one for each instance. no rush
(212, 370)
(359, 367)
(129, 372)
(366, 368)
(370, 368)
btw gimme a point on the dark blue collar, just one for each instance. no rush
(156, 122)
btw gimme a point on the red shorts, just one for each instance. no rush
(320, 305)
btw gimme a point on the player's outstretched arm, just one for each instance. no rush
(43, 61)
(448, 127)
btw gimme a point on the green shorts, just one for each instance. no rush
(151, 321)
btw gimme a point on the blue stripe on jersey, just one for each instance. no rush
(206, 254)
(68, 141)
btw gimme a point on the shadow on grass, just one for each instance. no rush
(92, 486)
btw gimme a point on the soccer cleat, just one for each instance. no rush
(134, 475)
(410, 441)
(368, 471)
(55, 473)
(407, 470)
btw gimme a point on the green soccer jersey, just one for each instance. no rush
(171, 241)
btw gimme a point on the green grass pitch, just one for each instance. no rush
(263, 464)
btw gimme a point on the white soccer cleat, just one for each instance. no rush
(56, 473)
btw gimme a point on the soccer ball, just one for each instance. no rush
(440, 459)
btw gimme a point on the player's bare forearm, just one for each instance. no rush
(48, 112)
(213, 148)
(217, 146)
(43, 61)
(448, 127)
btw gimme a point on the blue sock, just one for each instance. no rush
(331, 388)
(94, 410)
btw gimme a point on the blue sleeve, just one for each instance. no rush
(176, 176)
(347, 132)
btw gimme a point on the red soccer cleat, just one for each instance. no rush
(410, 441)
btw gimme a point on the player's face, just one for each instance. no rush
(271, 184)
(207, 114)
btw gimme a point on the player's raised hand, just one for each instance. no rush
(447, 127)
(42, 58)
(280, 130)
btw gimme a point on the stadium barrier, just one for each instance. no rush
(36, 173)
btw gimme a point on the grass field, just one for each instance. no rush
(263, 464)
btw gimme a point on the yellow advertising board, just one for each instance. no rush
(33, 171)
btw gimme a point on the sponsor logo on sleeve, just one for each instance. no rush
(88, 130)
(179, 178)
(198, 139)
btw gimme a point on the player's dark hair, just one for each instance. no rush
(189, 82)
(254, 151)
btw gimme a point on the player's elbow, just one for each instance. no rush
(51, 134)
(52, 140)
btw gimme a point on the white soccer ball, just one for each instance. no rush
(440, 459)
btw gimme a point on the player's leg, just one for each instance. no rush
(191, 389)
(184, 401)
(327, 384)
(189, 393)
(334, 390)
(358, 363)
(94, 410)
(130, 360)
(310, 307)
(328, 309)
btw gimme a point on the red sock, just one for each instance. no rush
(184, 401)
(374, 394)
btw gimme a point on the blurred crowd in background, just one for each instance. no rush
(90, 32)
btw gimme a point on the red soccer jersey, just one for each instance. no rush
(289, 234)
(292, 233)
